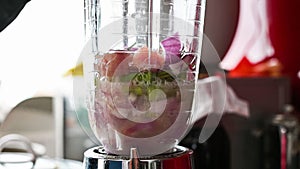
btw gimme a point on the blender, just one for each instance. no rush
(141, 65)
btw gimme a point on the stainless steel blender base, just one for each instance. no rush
(177, 158)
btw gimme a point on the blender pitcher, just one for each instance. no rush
(141, 66)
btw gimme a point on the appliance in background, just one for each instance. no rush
(267, 139)
(249, 137)
(281, 142)
(40, 119)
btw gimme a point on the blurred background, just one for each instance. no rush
(45, 39)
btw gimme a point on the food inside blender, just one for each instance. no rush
(143, 95)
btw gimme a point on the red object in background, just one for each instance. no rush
(269, 67)
(244, 69)
(283, 150)
(284, 29)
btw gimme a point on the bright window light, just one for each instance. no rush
(38, 47)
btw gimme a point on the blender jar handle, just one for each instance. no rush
(218, 98)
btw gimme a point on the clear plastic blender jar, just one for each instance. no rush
(141, 66)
